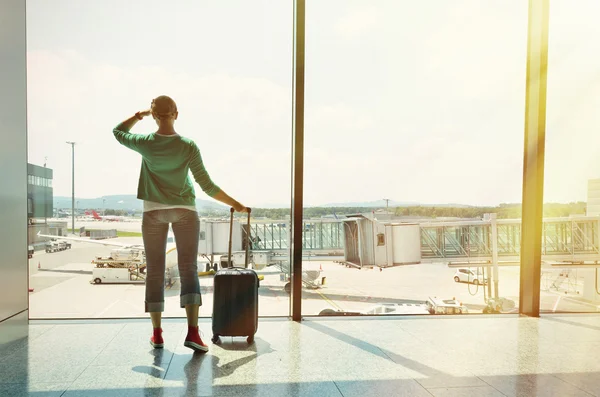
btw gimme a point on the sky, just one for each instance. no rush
(415, 101)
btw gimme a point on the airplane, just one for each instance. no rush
(109, 218)
(87, 217)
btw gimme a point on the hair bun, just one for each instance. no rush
(163, 106)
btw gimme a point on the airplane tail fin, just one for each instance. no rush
(95, 215)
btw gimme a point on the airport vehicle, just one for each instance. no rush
(436, 305)
(464, 275)
(52, 246)
(56, 246)
(122, 266)
(113, 276)
(127, 254)
(30, 251)
(431, 306)
(498, 305)
(310, 278)
(130, 257)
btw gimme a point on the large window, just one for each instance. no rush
(92, 64)
(414, 120)
(570, 279)
(414, 133)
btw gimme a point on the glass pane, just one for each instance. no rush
(414, 130)
(570, 279)
(228, 66)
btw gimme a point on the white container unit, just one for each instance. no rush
(220, 237)
(261, 259)
(403, 244)
(372, 243)
(239, 258)
(216, 237)
(257, 259)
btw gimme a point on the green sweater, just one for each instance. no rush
(166, 163)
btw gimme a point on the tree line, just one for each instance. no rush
(504, 211)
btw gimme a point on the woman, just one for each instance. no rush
(169, 198)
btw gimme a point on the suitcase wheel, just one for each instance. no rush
(216, 340)
(250, 339)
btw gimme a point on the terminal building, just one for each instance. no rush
(593, 198)
(39, 192)
(40, 206)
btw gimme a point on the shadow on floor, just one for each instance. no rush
(376, 350)
(507, 385)
(575, 323)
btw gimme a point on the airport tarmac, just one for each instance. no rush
(62, 288)
(131, 225)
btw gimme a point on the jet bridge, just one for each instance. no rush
(572, 238)
(569, 243)
(570, 251)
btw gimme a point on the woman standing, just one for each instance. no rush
(169, 198)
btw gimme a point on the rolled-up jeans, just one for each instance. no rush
(155, 229)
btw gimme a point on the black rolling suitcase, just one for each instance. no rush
(235, 303)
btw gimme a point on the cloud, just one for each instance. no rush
(357, 21)
(401, 102)
(240, 123)
(336, 124)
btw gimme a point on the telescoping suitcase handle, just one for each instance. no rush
(231, 211)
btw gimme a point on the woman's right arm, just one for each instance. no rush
(207, 185)
(226, 199)
(125, 138)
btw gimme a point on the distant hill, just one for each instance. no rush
(126, 202)
(382, 204)
(129, 202)
(362, 204)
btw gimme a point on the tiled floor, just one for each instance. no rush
(432, 356)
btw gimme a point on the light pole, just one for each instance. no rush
(45, 193)
(103, 207)
(72, 184)
(387, 202)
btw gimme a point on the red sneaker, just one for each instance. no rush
(156, 340)
(193, 340)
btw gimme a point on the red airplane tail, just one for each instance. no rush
(95, 215)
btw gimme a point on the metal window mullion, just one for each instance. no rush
(297, 159)
(533, 158)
